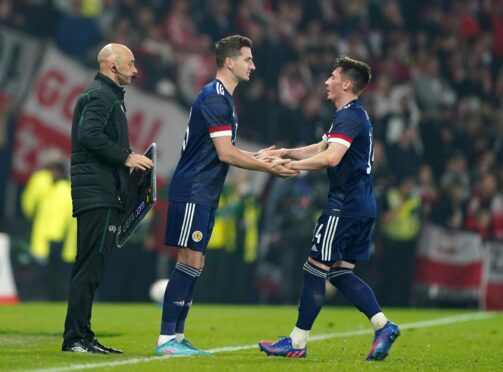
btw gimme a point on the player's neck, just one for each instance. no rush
(343, 101)
(229, 83)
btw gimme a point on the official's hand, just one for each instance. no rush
(137, 161)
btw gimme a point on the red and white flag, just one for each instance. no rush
(449, 264)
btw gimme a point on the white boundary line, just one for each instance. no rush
(421, 324)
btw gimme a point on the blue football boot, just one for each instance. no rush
(383, 340)
(187, 344)
(174, 348)
(282, 348)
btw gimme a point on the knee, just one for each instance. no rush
(338, 275)
(191, 258)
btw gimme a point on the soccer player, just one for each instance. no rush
(342, 235)
(207, 151)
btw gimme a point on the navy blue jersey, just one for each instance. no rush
(351, 192)
(200, 175)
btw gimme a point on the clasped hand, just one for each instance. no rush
(279, 166)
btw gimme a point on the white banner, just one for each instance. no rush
(46, 117)
(18, 56)
(450, 247)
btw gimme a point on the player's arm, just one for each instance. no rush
(305, 152)
(248, 153)
(229, 154)
(331, 157)
(297, 153)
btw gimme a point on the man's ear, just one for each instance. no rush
(229, 63)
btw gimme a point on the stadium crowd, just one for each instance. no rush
(436, 103)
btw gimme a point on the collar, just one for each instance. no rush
(348, 104)
(116, 88)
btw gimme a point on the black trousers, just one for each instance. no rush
(96, 230)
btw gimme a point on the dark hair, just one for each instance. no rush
(356, 71)
(230, 47)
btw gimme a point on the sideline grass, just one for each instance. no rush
(30, 339)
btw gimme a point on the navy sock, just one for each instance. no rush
(312, 296)
(180, 322)
(355, 290)
(174, 298)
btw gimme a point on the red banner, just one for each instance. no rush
(449, 264)
(46, 117)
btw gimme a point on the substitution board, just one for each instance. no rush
(141, 197)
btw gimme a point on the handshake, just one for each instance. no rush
(276, 163)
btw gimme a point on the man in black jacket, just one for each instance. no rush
(100, 163)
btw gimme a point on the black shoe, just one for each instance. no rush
(109, 350)
(83, 346)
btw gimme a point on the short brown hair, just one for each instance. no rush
(230, 47)
(358, 72)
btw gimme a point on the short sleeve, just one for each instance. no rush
(218, 116)
(343, 131)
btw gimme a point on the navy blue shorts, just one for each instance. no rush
(189, 225)
(338, 238)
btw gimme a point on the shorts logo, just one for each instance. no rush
(314, 249)
(197, 236)
(112, 229)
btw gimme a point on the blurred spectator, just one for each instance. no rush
(78, 35)
(403, 156)
(47, 202)
(197, 69)
(401, 223)
(427, 190)
(449, 209)
(217, 21)
(457, 170)
(431, 89)
(155, 61)
(485, 209)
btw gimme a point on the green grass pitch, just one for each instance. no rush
(446, 340)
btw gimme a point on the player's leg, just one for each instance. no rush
(180, 322)
(200, 237)
(356, 290)
(186, 226)
(310, 304)
(312, 295)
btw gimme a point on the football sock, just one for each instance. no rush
(180, 322)
(180, 336)
(311, 300)
(163, 339)
(174, 298)
(378, 321)
(357, 292)
(299, 338)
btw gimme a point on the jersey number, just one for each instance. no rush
(371, 154)
(317, 234)
(186, 138)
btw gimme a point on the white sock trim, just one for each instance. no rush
(180, 336)
(299, 338)
(164, 338)
(378, 321)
